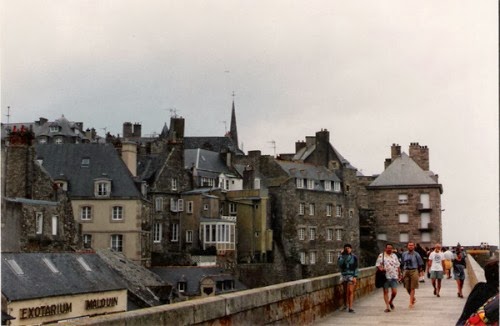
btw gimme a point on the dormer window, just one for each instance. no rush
(174, 184)
(328, 185)
(181, 287)
(300, 183)
(336, 186)
(85, 162)
(54, 128)
(102, 188)
(58, 140)
(62, 185)
(310, 184)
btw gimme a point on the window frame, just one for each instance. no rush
(116, 242)
(299, 183)
(86, 213)
(117, 213)
(174, 236)
(157, 232)
(313, 235)
(38, 222)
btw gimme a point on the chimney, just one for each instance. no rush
(387, 162)
(420, 154)
(321, 154)
(176, 131)
(127, 129)
(42, 121)
(137, 130)
(310, 141)
(395, 152)
(299, 145)
(129, 156)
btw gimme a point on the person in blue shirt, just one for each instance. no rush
(412, 264)
(348, 265)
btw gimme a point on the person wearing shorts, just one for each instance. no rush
(437, 268)
(348, 265)
(412, 263)
(389, 262)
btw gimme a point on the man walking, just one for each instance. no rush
(389, 262)
(412, 263)
(436, 267)
(348, 264)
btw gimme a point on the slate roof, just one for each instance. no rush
(307, 171)
(65, 160)
(34, 202)
(138, 279)
(38, 281)
(306, 151)
(403, 171)
(215, 144)
(67, 128)
(192, 275)
(204, 160)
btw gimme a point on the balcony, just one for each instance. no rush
(426, 227)
(423, 208)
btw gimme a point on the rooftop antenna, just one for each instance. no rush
(273, 145)
(173, 112)
(8, 114)
(105, 130)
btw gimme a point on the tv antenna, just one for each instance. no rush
(8, 114)
(273, 145)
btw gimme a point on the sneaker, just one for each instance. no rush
(351, 310)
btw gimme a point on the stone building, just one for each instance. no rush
(106, 202)
(36, 214)
(406, 199)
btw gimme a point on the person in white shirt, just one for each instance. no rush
(436, 267)
(390, 263)
(448, 258)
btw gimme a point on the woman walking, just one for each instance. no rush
(459, 273)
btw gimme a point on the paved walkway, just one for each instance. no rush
(428, 310)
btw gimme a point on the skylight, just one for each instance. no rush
(84, 264)
(50, 265)
(15, 267)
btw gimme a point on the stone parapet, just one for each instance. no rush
(475, 271)
(298, 302)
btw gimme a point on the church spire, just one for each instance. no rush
(233, 131)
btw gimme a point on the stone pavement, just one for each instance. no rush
(428, 310)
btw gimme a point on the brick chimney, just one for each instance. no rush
(321, 154)
(299, 145)
(176, 132)
(127, 130)
(129, 156)
(395, 152)
(420, 154)
(137, 130)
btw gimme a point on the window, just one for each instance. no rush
(302, 256)
(256, 183)
(87, 241)
(311, 209)
(157, 232)
(85, 162)
(347, 188)
(174, 184)
(232, 208)
(312, 234)
(189, 236)
(336, 186)
(58, 140)
(117, 214)
(175, 232)
(351, 213)
(181, 286)
(328, 185)
(180, 205)
(102, 188)
(403, 199)
(338, 234)
(312, 257)
(189, 208)
(15, 267)
(39, 222)
(54, 225)
(86, 213)
(54, 128)
(329, 234)
(330, 257)
(403, 237)
(310, 184)
(205, 207)
(300, 183)
(403, 218)
(159, 204)
(425, 237)
(50, 265)
(302, 208)
(117, 242)
(84, 264)
(338, 211)
(302, 233)
(382, 236)
(329, 209)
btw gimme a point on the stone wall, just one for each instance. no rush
(475, 272)
(301, 302)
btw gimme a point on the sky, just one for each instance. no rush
(372, 73)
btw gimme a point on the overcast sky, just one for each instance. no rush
(371, 72)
